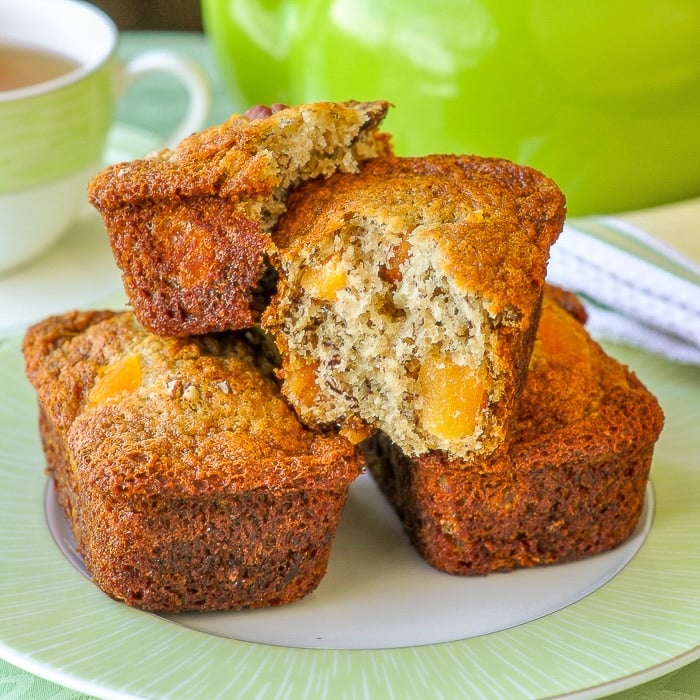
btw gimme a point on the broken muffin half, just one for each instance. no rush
(409, 296)
(190, 226)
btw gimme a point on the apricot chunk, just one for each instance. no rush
(561, 337)
(453, 397)
(300, 381)
(325, 282)
(122, 376)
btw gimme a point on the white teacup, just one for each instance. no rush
(54, 128)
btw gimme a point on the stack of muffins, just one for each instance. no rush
(304, 303)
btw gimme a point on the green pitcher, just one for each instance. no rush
(601, 95)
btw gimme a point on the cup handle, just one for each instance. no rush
(190, 75)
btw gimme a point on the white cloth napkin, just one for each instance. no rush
(636, 289)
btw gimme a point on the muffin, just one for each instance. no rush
(404, 281)
(190, 227)
(189, 484)
(569, 484)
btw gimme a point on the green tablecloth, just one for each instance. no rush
(151, 105)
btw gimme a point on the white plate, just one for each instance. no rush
(397, 628)
(364, 601)
(79, 268)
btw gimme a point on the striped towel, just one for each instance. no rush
(636, 290)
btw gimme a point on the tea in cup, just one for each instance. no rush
(59, 82)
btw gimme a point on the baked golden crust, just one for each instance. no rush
(189, 483)
(401, 280)
(570, 484)
(189, 227)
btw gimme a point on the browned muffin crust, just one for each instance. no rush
(570, 484)
(189, 227)
(401, 281)
(187, 480)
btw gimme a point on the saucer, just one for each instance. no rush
(78, 270)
